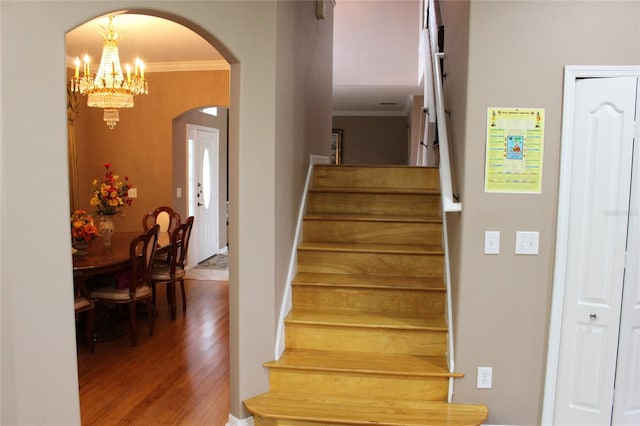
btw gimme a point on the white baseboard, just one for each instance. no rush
(239, 422)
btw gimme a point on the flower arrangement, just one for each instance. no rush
(110, 194)
(83, 230)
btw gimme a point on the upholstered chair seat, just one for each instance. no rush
(114, 293)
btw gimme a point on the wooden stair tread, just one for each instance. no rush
(352, 217)
(424, 249)
(355, 362)
(368, 281)
(374, 190)
(366, 320)
(361, 411)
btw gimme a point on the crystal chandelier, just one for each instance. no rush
(109, 89)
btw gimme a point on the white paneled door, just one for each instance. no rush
(203, 192)
(598, 371)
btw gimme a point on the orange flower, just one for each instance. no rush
(83, 228)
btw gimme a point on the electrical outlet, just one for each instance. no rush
(491, 242)
(133, 193)
(527, 242)
(484, 377)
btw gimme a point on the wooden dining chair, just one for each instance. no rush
(85, 304)
(174, 270)
(138, 288)
(164, 216)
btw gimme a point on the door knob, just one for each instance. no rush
(593, 316)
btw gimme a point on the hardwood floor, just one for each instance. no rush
(178, 376)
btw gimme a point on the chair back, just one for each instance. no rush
(180, 244)
(141, 250)
(163, 216)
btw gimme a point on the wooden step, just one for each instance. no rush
(381, 300)
(357, 362)
(284, 408)
(380, 229)
(376, 177)
(371, 259)
(400, 203)
(368, 281)
(367, 320)
(369, 333)
(348, 374)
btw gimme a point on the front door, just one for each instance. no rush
(203, 191)
(598, 270)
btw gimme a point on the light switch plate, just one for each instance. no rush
(491, 242)
(132, 193)
(527, 242)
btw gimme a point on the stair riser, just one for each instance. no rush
(370, 263)
(373, 203)
(372, 232)
(375, 177)
(409, 302)
(260, 421)
(367, 340)
(352, 384)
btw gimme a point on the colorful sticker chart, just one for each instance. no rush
(515, 140)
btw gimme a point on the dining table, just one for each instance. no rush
(99, 259)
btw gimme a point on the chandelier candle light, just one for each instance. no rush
(109, 89)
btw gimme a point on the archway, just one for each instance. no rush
(130, 130)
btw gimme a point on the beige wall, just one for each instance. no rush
(512, 54)
(373, 139)
(303, 87)
(140, 146)
(39, 375)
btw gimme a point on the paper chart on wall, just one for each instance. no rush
(515, 140)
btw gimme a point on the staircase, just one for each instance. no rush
(366, 338)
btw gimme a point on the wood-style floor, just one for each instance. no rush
(178, 376)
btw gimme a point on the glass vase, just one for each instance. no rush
(106, 229)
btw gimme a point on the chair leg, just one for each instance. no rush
(89, 329)
(171, 287)
(150, 315)
(132, 321)
(184, 297)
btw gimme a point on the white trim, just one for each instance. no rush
(285, 306)
(571, 74)
(233, 421)
(447, 277)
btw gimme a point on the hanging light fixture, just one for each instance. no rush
(109, 89)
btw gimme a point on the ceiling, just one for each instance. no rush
(375, 52)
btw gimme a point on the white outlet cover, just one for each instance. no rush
(527, 242)
(491, 242)
(484, 377)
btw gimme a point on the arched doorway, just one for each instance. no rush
(146, 131)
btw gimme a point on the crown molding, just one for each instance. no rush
(215, 65)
